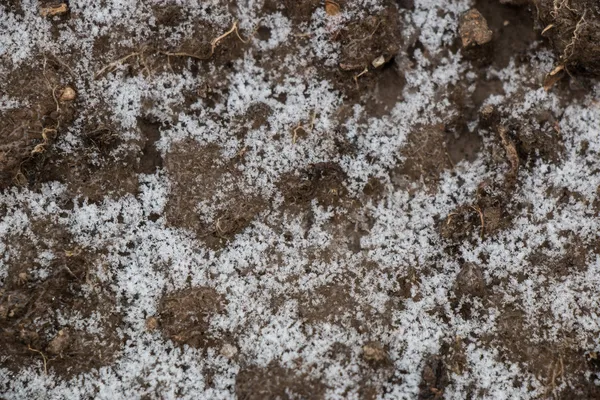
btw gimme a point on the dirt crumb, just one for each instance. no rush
(469, 281)
(474, 30)
(373, 352)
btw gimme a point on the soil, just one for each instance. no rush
(184, 316)
(37, 302)
(572, 28)
(50, 280)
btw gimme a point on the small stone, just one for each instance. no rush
(228, 350)
(68, 94)
(378, 62)
(474, 30)
(374, 352)
(60, 343)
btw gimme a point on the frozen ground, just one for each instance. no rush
(230, 208)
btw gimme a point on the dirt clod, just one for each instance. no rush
(366, 40)
(33, 312)
(373, 352)
(474, 30)
(573, 28)
(228, 350)
(434, 379)
(332, 8)
(322, 181)
(151, 323)
(469, 281)
(68, 94)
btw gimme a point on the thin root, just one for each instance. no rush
(40, 148)
(571, 44)
(234, 28)
(115, 64)
(300, 126)
(43, 358)
(213, 44)
(481, 218)
(364, 71)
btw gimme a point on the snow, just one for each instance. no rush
(404, 234)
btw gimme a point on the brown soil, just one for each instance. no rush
(275, 382)
(33, 306)
(184, 316)
(323, 182)
(27, 133)
(198, 174)
(573, 28)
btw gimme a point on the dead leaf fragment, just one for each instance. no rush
(551, 79)
(54, 10)
(332, 8)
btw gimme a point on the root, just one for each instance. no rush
(43, 358)
(300, 126)
(234, 28)
(364, 71)
(559, 5)
(553, 77)
(213, 44)
(110, 67)
(575, 37)
(40, 148)
(546, 29)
